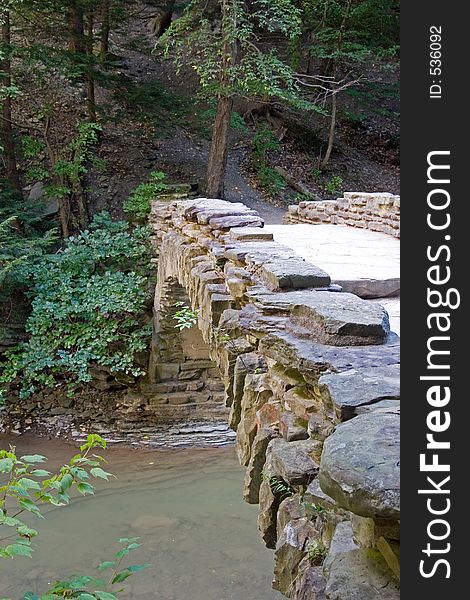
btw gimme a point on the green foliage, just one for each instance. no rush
(84, 587)
(280, 488)
(185, 317)
(334, 184)
(226, 54)
(139, 202)
(88, 307)
(316, 552)
(24, 237)
(268, 178)
(29, 486)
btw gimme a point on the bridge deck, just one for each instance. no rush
(364, 262)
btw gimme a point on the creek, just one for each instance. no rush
(196, 531)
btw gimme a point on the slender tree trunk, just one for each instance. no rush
(63, 201)
(219, 149)
(8, 142)
(90, 78)
(105, 30)
(331, 135)
(334, 102)
(218, 153)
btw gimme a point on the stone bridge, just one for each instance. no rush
(307, 376)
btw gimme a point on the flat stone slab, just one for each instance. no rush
(278, 267)
(352, 389)
(360, 466)
(309, 356)
(338, 319)
(241, 220)
(366, 263)
(250, 234)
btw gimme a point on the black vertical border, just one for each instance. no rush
(428, 125)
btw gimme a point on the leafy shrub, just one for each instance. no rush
(334, 184)
(139, 202)
(28, 487)
(268, 178)
(88, 308)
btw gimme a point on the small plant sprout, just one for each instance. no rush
(316, 552)
(185, 317)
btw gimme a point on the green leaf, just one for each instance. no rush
(28, 484)
(19, 550)
(30, 507)
(137, 568)
(26, 531)
(31, 596)
(33, 458)
(98, 472)
(105, 595)
(86, 596)
(40, 473)
(106, 565)
(66, 482)
(85, 488)
(122, 576)
(6, 465)
(9, 521)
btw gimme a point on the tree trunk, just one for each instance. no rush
(63, 200)
(76, 29)
(105, 29)
(331, 135)
(218, 153)
(163, 21)
(8, 143)
(90, 78)
(219, 149)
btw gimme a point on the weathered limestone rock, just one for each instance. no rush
(283, 269)
(352, 389)
(290, 509)
(254, 472)
(244, 364)
(269, 415)
(250, 234)
(295, 462)
(227, 222)
(340, 319)
(313, 358)
(360, 575)
(310, 583)
(300, 402)
(360, 466)
(291, 548)
(292, 428)
(268, 506)
(255, 394)
(341, 542)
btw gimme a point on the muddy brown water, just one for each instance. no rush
(197, 533)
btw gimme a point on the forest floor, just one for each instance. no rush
(153, 120)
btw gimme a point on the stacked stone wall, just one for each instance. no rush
(373, 211)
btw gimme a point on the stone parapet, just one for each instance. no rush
(376, 211)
